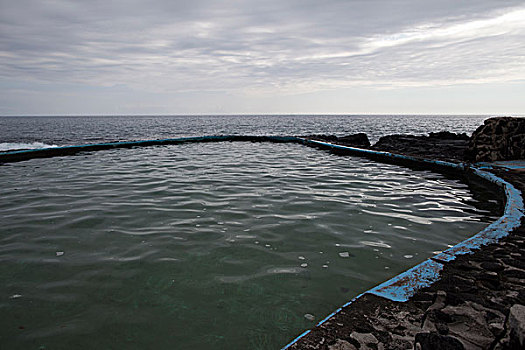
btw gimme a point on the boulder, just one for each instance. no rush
(501, 138)
(516, 324)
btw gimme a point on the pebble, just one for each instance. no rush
(364, 338)
(309, 317)
(341, 344)
(496, 328)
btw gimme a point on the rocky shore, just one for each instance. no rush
(501, 138)
(479, 301)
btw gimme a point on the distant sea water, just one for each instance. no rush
(228, 245)
(37, 132)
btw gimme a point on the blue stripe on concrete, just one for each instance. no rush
(403, 286)
(500, 228)
(117, 144)
(20, 155)
(296, 339)
(406, 284)
(385, 155)
(506, 164)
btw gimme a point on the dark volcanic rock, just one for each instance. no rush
(440, 145)
(447, 135)
(357, 140)
(501, 138)
(434, 341)
(516, 325)
(492, 266)
(354, 140)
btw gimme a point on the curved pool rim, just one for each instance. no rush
(403, 286)
(399, 288)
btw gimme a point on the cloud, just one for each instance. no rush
(254, 47)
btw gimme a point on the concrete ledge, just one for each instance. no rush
(17, 156)
(398, 289)
(403, 286)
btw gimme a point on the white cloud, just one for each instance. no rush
(512, 22)
(269, 48)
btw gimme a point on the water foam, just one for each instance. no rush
(10, 146)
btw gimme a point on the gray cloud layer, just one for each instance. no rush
(261, 47)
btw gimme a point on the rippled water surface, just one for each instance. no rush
(209, 246)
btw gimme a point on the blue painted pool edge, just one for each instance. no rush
(401, 287)
(118, 144)
(22, 155)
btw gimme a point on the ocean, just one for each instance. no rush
(35, 132)
(229, 245)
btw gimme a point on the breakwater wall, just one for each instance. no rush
(21, 155)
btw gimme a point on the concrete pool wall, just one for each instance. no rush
(401, 287)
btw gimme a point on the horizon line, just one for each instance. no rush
(267, 114)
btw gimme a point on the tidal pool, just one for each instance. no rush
(215, 245)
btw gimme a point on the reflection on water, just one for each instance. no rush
(198, 246)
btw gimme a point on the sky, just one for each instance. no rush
(103, 57)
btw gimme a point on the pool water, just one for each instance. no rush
(216, 245)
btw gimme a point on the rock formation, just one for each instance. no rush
(501, 138)
(440, 145)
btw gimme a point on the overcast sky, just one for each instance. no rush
(276, 56)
